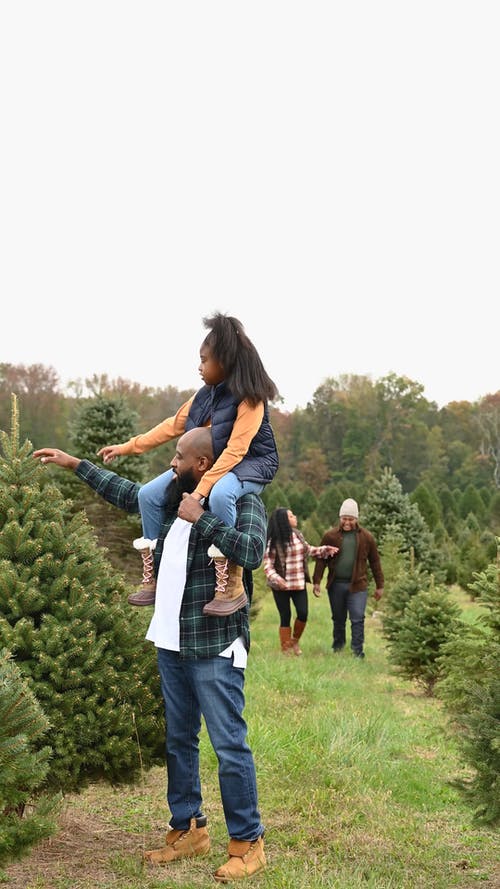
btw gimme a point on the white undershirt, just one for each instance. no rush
(164, 629)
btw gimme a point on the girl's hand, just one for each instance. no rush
(109, 453)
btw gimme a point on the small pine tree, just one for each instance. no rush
(470, 689)
(429, 620)
(393, 559)
(408, 580)
(473, 552)
(100, 421)
(96, 422)
(449, 554)
(388, 507)
(64, 617)
(25, 816)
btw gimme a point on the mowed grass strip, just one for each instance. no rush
(356, 773)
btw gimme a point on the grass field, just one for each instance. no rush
(356, 776)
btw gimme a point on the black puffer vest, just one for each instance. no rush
(217, 404)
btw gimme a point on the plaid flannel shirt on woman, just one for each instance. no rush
(295, 572)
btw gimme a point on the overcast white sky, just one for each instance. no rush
(328, 172)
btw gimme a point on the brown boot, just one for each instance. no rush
(146, 593)
(230, 593)
(286, 640)
(245, 859)
(182, 843)
(298, 629)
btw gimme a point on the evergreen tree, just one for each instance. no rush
(389, 509)
(408, 579)
(308, 502)
(394, 561)
(449, 553)
(102, 420)
(470, 688)
(471, 502)
(294, 494)
(429, 620)
(25, 816)
(449, 509)
(99, 421)
(475, 551)
(273, 497)
(428, 505)
(64, 617)
(495, 512)
(327, 510)
(312, 531)
(485, 494)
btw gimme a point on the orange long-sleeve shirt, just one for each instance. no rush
(245, 427)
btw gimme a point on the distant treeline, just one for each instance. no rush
(447, 460)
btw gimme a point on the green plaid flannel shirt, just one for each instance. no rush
(244, 544)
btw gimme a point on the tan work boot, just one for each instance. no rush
(246, 859)
(146, 593)
(182, 843)
(230, 593)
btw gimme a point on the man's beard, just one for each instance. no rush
(180, 484)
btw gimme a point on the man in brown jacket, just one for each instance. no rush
(347, 579)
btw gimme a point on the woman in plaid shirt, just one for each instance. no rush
(286, 570)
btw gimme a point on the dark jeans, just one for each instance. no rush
(343, 603)
(299, 599)
(211, 687)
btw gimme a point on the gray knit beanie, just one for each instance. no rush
(349, 507)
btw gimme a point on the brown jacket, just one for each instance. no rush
(366, 552)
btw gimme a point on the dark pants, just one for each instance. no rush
(299, 599)
(213, 688)
(343, 603)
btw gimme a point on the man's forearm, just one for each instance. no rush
(118, 491)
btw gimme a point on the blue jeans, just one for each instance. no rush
(343, 603)
(212, 688)
(223, 497)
